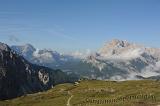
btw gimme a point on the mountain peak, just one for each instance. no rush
(118, 43)
(29, 46)
(119, 48)
(4, 47)
(24, 48)
(115, 44)
(25, 77)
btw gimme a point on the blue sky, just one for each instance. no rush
(70, 25)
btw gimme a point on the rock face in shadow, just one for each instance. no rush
(19, 77)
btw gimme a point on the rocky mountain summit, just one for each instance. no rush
(125, 50)
(121, 60)
(19, 77)
(116, 60)
(43, 57)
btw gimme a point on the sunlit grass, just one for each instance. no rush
(90, 90)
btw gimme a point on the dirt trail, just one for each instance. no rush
(69, 99)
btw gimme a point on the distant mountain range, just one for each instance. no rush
(19, 77)
(43, 57)
(116, 60)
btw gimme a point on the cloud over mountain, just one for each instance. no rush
(116, 60)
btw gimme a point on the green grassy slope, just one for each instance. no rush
(94, 93)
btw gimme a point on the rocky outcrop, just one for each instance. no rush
(19, 77)
(116, 60)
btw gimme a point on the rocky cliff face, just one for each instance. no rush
(19, 77)
(116, 60)
(121, 60)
